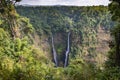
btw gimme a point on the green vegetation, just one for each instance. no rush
(114, 53)
(89, 27)
(26, 48)
(113, 62)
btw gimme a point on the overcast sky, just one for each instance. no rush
(66, 2)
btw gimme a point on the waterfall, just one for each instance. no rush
(67, 51)
(54, 53)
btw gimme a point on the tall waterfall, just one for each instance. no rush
(67, 51)
(54, 53)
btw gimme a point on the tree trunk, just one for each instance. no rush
(118, 49)
(11, 29)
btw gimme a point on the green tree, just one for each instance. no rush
(114, 8)
(9, 14)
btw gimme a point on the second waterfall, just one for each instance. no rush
(68, 50)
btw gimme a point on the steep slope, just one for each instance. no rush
(89, 28)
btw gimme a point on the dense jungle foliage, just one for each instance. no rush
(89, 27)
(26, 42)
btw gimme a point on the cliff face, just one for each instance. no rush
(89, 27)
(102, 48)
(95, 53)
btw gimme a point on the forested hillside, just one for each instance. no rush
(59, 42)
(89, 29)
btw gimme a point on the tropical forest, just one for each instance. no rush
(59, 42)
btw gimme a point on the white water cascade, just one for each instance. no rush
(67, 51)
(54, 53)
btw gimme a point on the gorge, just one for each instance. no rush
(86, 26)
